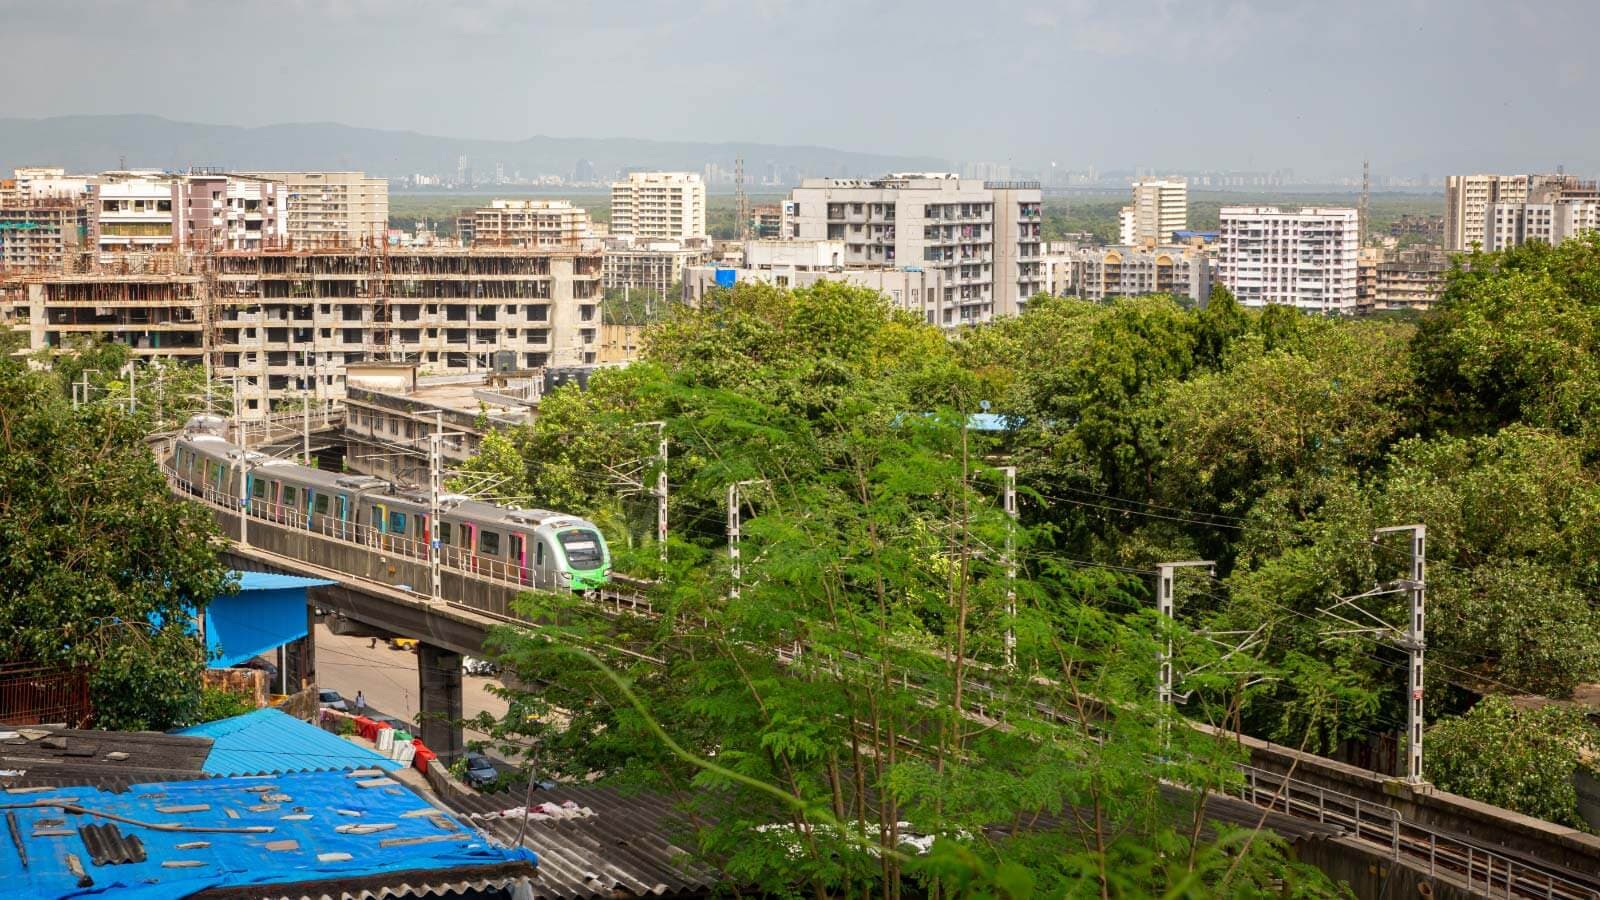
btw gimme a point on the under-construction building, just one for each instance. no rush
(284, 323)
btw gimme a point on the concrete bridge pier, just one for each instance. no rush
(439, 671)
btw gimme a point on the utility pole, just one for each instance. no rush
(661, 488)
(734, 532)
(1011, 566)
(1414, 642)
(133, 401)
(434, 545)
(1166, 606)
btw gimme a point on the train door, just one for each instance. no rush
(378, 524)
(469, 543)
(519, 556)
(342, 506)
(541, 573)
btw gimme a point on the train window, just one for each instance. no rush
(582, 546)
(377, 517)
(320, 505)
(538, 553)
(488, 543)
(397, 523)
(420, 529)
(288, 496)
(444, 534)
(258, 488)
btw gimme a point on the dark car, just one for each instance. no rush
(480, 770)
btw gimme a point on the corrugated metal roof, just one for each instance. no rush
(46, 756)
(630, 844)
(309, 834)
(270, 741)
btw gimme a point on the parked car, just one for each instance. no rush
(480, 770)
(332, 700)
(402, 643)
(475, 666)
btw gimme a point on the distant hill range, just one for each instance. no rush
(94, 143)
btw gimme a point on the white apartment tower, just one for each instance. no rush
(1306, 259)
(1160, 207)
(659, 206)
(983, 235)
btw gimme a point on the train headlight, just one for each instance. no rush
(566, 576)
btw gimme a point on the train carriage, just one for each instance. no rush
(540, 548)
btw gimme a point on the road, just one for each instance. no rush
(387, 679)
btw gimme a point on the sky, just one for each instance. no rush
(1417, 86)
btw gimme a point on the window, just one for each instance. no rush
(397, 523)
(320, 505)
(582, 546)
(258, 488)
(489, 543)
(288, 497)
(444, 534)
(538, 553)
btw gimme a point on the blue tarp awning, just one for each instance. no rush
(267, 612)
(270, 741)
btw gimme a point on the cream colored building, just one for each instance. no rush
(1160, 207)
(1103, 273)
(530, 223)
(287, 322)
(334, 209)
(660, 206)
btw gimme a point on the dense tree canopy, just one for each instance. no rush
(878, 561)
(100, 566)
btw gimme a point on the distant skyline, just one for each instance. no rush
(1417, 86)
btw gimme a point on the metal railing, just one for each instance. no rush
(1484, 870)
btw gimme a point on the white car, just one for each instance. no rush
(332, 700)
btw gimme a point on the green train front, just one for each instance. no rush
(583, 562)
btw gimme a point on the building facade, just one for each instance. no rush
(984, 237)
(286, 323)
(1556, 208)
(333, 209)
(659, 206)
(648, 265)
(44, 235)
(1160, 207)
(1102, 273)
(228, 212)
(1409, 279)
(529, 223)
(1306, 259)
(916, 290)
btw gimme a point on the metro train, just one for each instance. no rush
(537, 547)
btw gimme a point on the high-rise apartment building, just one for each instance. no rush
(1555, 208)
(1306, 259)
(529, 223)
(659, 206)
(648, 265)
(1466, 200)
(228, 212)
(1160, 207)
(983, 236)
(333, 209)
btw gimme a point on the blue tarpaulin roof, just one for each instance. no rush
(298, 817)
(267, 612)
(270, 741)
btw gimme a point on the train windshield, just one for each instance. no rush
(583, 548)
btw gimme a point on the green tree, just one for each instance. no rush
(1536, 752)
(99, 565)
(857, 680)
